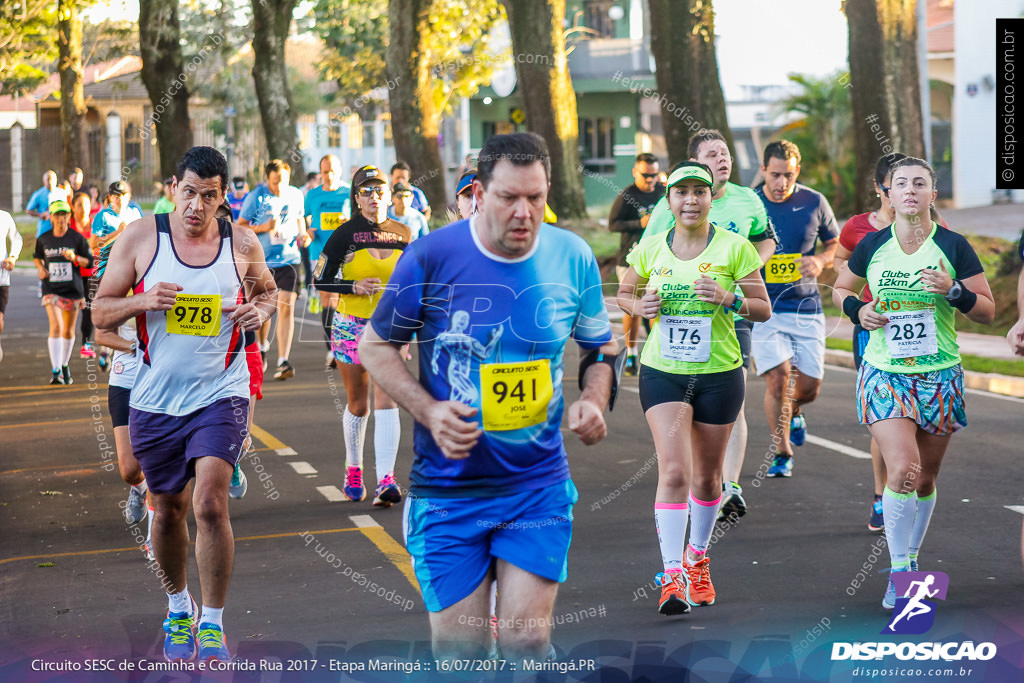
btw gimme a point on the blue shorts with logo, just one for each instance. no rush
(454, 542)
(167, 446)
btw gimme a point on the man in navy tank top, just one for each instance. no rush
(197, 285)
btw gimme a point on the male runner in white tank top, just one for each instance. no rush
(199, 284)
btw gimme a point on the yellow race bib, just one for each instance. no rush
(782, 268)
(197, 315)
(331, 221)
(515, 395)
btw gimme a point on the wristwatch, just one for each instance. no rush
(737, 304)
(955, 291)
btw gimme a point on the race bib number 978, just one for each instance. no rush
(197, 315)
(515, 395)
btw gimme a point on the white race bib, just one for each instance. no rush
(685, 339)
(911, 334)
(60, 272)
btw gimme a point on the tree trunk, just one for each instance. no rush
(75, 152)
(549, 100)
(164, 75)
(683, 45)
(414, 118)
(886, 92)
(271, 20)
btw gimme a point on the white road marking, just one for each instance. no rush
(838, 447)
(363, 521)
(332, 493)
(302, 468)
(286, 451)
(1015, 508)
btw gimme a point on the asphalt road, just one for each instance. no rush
(322, 586)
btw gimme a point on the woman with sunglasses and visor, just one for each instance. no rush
(691, 375)
(356, 263)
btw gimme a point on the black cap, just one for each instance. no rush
(366, 174)
(119, 188)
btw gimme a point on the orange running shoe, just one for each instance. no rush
(699, 590)
(673, 593)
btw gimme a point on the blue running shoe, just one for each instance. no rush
(913, 564)
(211, 643)
(877, 523)
(798, 430)
(889, 601)
(782, 466)
(354, 489)
(180, 638)
(388, 492)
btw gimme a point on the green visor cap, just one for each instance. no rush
(690, 172)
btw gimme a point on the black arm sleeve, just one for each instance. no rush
(623, 216)
(328, 266)
(768, 234)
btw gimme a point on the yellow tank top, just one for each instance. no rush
(362, 266)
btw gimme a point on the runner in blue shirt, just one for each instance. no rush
(275, 212)
(403, 213)
(400, 173)
(39, 202)
(491, 497)
(791, 344)
(327, 207)
(239, 190)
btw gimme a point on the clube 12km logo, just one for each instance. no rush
(914, 614)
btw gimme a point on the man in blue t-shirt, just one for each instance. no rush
(327, 207)
(790, 346)
(400, 173)
(275, 213)
(239, 190)
(401, 211)
(39, 202)
(492, 301)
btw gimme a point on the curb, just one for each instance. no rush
(982, 381)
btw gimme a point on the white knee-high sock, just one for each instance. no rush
(355, 435)
(387, 429)
(925, 506)
(68, 346)
(55, 345)
(670, 519)
(703, 514)
(899, 511)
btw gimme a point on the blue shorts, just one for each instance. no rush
(455, 541)
(167, 446)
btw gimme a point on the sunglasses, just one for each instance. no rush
(377, 191)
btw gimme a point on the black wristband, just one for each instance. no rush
(965, 302)
(851, 307)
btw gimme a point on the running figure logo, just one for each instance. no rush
(914, 613)
(461, 348)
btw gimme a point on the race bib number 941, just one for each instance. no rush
(197, 315)
(331, 220)
(911, 334)
(515, 395)
(782, 268)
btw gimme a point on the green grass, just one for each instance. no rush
(1013, 368)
